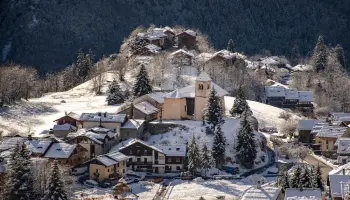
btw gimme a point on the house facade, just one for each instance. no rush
(133, 128)
(343, 150)
(189, 102)
(104, 167)
(66, 154)
(327, 137)
(305, 128)
(69, 118)
(187, 39)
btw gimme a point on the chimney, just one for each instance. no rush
(258, 185)
(132, 111)
(30, 137)
(99, 114)
(105, 114)
(343, 171)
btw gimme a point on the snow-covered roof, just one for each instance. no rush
(156, 34)
(340, 116)
(343, 145)
(270, 82)
(38, 146)
(275, 91)
(153, 48)
(263, 193)
(133, 124)
(191, 32)
(307, 124)
(301, 67)
(305, 194)
(318, 126)
(269, 61)
(228, 55)
(190, 91)
(94, 135)
(292, 93)
(305, 96)
(146, 108)
(103, 117)
(173, 150)
(339, 184)
(331, 131)
(203, 77)
(110, 158)
(132, 141)
(11, 142)
(100, 130)
(181, 51)
(71, 115)
(60, 150)
(63, 127)
(342, 170)
(157, 96)
(203, 57)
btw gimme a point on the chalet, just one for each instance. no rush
(142, 110)
(69, 118)
(343, 150)
(164, 38)
(275, 95)
(133, 128)
(262, 192)
(340, 117)
(181, 57)
(338, 182)
(225, 57)
(148, 50)
(305, 194)
(189, 102)
(9, 143)
(187, 39)
(146, 157)
(327, 137)
(305, 99)
(96, 141)
(62, 130)
(174, 159)
(66, 154)
(107, 166)
(304, 129)
(107, 120)
(38, 147)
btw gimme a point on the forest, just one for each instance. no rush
(48, 34)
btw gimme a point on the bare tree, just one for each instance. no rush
(289, 127)
(99, 77)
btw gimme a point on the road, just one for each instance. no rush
(325, 168)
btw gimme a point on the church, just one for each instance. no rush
(189, 102)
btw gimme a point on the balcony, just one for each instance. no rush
(139, 163)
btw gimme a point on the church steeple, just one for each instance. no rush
(203, 85)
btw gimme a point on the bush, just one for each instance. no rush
(285, 115)
(276, 141)
(289, 128)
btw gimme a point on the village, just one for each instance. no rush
(182, 137)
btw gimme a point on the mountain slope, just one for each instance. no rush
(48, 34)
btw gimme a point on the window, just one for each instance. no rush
(200, 86)
(138, 159)
(96, 170)
(208, 86)
(145, 152)
(107, 170)
(138, 152)
(130, 152)
(123, 171)
(124, 163)
(177, 149)
(178, 168)
(145, 160)
(130, 159)
(178, 160)
(117, 164)
(326, 141)
(169, 159)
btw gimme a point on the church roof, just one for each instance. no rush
(190, 92)
(203, 77)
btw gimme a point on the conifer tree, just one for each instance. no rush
(193, 156)
(283, 181)
(213, 112)
(115, 95)
(295, 55)
(55, 190)
(142, 85)
(306, 177)
(339, 53)
(230, 46)
(320, 55)
(246, 147)
(19, 183)
(296, 178)
(317, 178)
(205, 158)
(219, 146)
(84, 64)
(240, 104)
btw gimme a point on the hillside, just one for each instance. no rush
(48, 34)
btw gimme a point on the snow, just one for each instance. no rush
(203, 77)
(132, 141)
(103, 117)
(343, 146)
(96, 137)
(190, 32)
(60, 150)
(292, 94)
(275, 91)
(157, 96)
(307, 124)
(331, 131)
(305, 96)
(106, 161)
(10, 142)
(151, 47)
(38, 146)
(63, 127)
(146, 108)
(181, 51)
(269, 61)
(173, 150)
(133, 124)
(190, 91)
(301, 67)
(305, 194)
(339, 184)
(117, 156)
(263, 193)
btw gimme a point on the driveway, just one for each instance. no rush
(325, 168)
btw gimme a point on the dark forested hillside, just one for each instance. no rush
(48, 34)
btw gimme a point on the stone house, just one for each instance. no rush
(133, 128)
(187, 39)
(181, 57)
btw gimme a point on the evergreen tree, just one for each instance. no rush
(320, 55)
(296, 178)
(246, 147)
(193, 156)
(240, 104)
(84, 64)
(306, 178)
(205, 159)
(219, 146)
(283, 181)
(142, 85)
(115, 95)
(339, 53)
(213, 112)
(19, 185)
(317, 178)
(295, 55)
(231, 46)
(55, 190)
